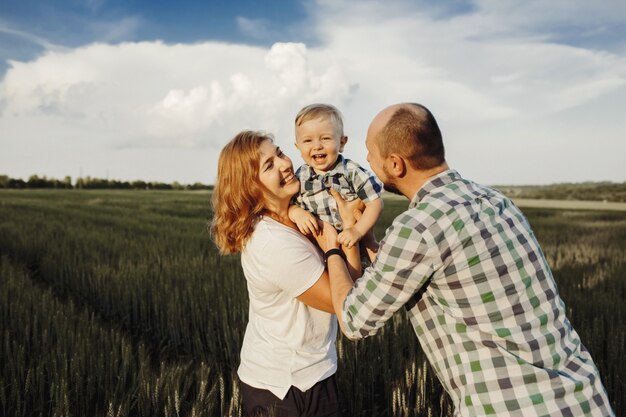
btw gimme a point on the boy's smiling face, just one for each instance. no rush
(319, 142)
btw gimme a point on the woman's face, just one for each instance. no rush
(276, 175)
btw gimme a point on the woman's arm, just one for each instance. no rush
(342, 282)
(318, 295)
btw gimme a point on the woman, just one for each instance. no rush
(288, 357)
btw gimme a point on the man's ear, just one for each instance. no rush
(342, 142)
(396, 165)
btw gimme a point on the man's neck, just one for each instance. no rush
(410, 184)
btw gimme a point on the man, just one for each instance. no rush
(481, 297)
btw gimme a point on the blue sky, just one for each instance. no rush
(525, 92)
(26, 25)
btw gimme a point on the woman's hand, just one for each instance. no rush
(327, 238)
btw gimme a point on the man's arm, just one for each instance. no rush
(403, 264)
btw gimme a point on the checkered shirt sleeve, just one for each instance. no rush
(398, 272)
(367, 186)
(482, 302)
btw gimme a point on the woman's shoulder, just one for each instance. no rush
(276, 253)
(270, 234)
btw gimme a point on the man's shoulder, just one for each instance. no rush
(414, 218)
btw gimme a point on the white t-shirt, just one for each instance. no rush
(286, 342)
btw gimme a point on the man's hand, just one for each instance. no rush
(307, 223)
(349, 211)
(349, 237)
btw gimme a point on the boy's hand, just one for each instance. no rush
(307, 223)
(349, 237)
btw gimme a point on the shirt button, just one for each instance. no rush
(337, 225)
(333, 210)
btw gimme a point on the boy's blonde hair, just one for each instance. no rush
(237, 200)
(314, 111)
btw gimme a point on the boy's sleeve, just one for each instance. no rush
(366, 185)
(297, 199)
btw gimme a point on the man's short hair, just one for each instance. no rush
(314, 111)
(412, 132)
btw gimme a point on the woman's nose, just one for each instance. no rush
(285, 163)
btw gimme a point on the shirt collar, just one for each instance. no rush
(339, 168)
(440, 180)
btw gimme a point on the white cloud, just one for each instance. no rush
(499, 91)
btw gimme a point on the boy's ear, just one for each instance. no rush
(342, 142)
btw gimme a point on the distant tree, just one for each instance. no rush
(34, 181)
(139, 185)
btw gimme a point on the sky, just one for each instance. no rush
(525, 92)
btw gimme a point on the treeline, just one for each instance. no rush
(87, 183)
(592, 191)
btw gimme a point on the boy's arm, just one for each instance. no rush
(370, 216)
(352, 253)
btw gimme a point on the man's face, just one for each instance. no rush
(376, 160)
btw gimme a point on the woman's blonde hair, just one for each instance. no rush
(238, 195)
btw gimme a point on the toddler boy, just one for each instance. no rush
(320, 140)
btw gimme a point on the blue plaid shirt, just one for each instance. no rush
(347, 177)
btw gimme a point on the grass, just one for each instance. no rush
(116, 303)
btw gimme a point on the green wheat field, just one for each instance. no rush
(116, 303)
